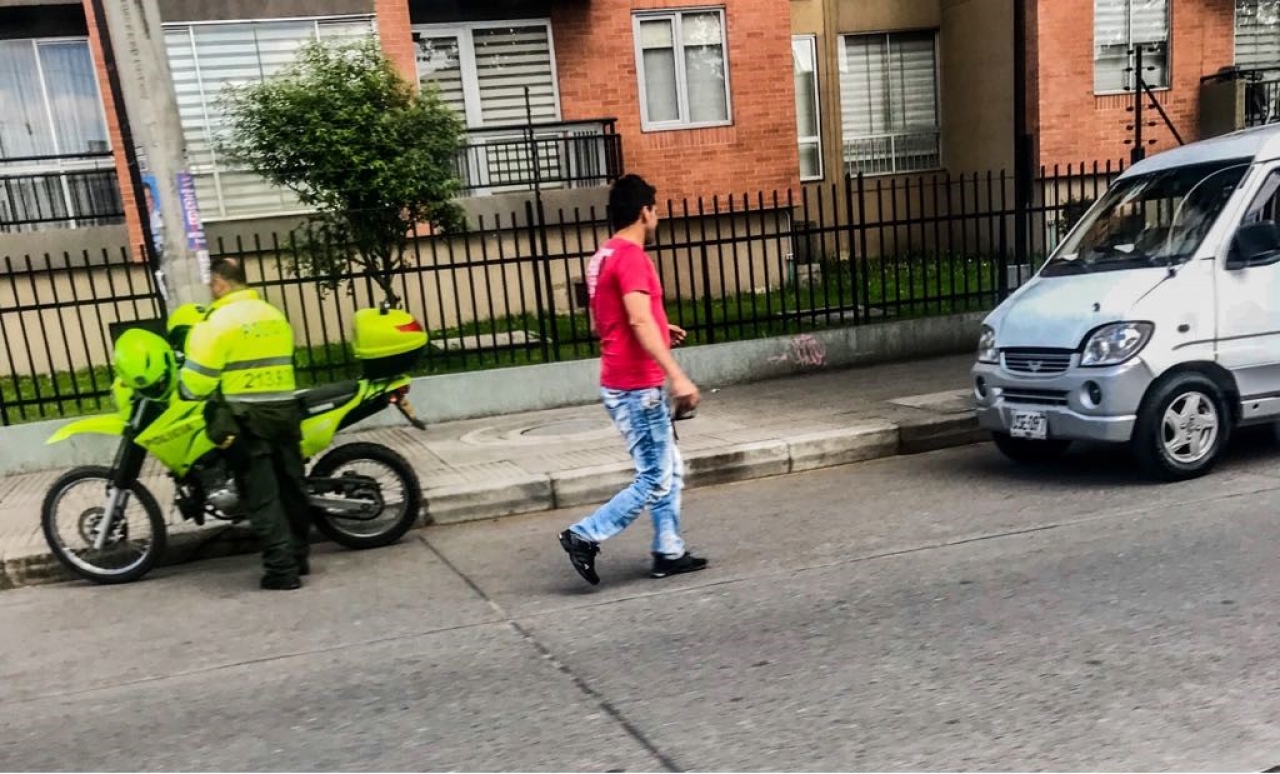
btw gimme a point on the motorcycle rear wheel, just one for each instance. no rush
(400, 491)
(71, 517)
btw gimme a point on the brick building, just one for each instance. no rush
(908, 86)
(684, 92)
(1081, 53)
(704, 98)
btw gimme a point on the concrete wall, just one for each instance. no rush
(976, 64)
(52, 246)
(72, 333)
(489, 393)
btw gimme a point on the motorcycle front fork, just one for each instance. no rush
(124, 472)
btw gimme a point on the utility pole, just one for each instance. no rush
(1021, 148)
(131, 33)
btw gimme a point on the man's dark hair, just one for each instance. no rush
(230, 270)
(628, 196)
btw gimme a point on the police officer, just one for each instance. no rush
(240, 358)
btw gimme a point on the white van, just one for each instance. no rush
(1155, 323)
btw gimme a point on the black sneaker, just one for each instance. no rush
(662, 566)
(582, 555)
(280, 582)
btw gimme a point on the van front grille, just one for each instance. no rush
(1045, 362)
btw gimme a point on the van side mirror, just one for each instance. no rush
(1256, 244)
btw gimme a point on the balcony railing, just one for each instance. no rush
(48, 192)
(563, 154)
(895, 153)
(1261, 102)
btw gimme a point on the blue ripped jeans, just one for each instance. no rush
(643, 417)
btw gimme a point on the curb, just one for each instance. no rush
(587, 486)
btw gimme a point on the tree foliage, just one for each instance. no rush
(356, 143)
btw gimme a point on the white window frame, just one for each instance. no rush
(937, 91)
(216, 211)
(675, 15)
(813, 140)
(467, 59)
(1168, 56)
(38, 167)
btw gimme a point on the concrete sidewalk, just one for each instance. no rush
(499, 466)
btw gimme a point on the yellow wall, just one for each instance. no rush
(975, 59)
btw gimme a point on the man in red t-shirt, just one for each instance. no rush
(635, 363)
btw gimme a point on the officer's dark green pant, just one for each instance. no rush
(273, 490)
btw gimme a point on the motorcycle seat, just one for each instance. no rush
(327, 397)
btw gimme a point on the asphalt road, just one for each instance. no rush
(940, 612)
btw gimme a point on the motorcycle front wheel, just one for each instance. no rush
(83, 503)
(398, 495)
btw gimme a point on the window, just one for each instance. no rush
(1118, 27)
(804, 56)
(54, 146)
(1258, 34)
(684, 76)
(1157, 219)
(482, 70)
(206, 58)
(889, 103)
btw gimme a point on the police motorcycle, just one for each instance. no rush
(102, 522)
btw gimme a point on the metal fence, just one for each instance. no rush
(46, 192)
(1261, 102)
(562, 154)
(511, 291)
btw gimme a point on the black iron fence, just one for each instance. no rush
(511, 291)
(59, 192)
(561, 154)
(1261, 102)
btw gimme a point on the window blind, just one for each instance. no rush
(1258, 34)
(889, 101)
(204, 60)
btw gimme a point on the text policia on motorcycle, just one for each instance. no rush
(228, 455)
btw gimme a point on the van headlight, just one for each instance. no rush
(987, 352)
(1115, 343)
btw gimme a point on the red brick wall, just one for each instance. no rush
(132, 223)
(596, 63)
(1073, 124)
(396, 35)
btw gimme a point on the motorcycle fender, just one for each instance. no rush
(108, 424)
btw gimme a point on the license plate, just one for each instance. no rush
(1029, 424)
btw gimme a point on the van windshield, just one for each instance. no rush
(1158, 219)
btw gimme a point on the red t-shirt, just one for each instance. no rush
(620, 267)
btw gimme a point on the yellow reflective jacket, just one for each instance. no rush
(245, 345)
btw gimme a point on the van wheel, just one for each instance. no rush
(1183, 426)
(1028, 451)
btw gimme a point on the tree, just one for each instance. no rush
(353, 140)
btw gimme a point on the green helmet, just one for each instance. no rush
(145, 363)
(180, 322)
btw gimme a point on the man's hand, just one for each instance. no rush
(678, 335)
(685, 393)
(226, 442)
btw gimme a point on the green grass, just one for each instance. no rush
(878, 291)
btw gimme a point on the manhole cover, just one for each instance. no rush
(567, 427)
